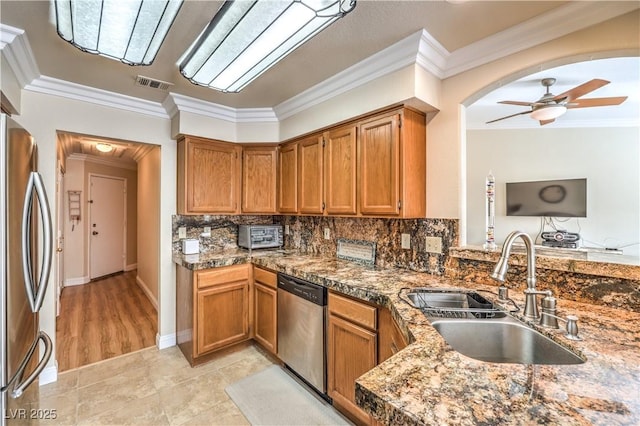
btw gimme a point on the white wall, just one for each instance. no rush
(74, 267)
(608, 157)
(149, 222)
(44, 114)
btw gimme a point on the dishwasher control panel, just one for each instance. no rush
(309, 291)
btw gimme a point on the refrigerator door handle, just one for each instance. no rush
(35, 300)
(20, 385)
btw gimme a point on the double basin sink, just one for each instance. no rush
(475, 327)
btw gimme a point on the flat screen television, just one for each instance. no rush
(551, 198)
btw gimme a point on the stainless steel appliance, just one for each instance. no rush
(302, 319)
(24, 211)
(260, 236)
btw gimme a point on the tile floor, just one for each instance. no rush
(151, 387)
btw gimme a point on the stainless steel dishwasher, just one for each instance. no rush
(302, 315)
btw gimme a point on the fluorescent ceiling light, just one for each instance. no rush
(246, 38)
(130, 31)
(104, 147)
(548, 112)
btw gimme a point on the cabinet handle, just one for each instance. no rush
(323, 205)
(399, 204)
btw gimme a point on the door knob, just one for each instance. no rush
(95, 232)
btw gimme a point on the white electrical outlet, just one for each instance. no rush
(433, 245)
(406, 241)
(182, 232)
(327, 234)
(286, 230)
(207, 231)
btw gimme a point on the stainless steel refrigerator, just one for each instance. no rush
(26, 245)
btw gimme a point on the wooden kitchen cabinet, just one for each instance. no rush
(288, 178)
(352, 351)
(392, 164)
(259, 179)
(212, 309)
(390, 338)
(340, 171)
(208, 176)
(310, 175)
(265, 314)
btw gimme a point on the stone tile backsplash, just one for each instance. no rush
(224, 230)
(307, 235)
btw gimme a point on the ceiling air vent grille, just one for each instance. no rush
(152, 83)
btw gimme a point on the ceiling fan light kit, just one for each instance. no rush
(246, 38)
(548, 112)
(130, 31)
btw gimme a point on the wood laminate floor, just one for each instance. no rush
(103, 319)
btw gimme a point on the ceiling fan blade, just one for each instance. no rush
(594, 102)
(516, 103)
(508, 116)
(543, 122)
(581, 90)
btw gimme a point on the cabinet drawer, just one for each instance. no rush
(354, 311)
(265, 277)
(222, 275)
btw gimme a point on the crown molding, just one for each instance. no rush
(558, 22)
(175, 102)
(391, 59)
(17, 51)
(104, 161)
(419, 48)
(67, 89)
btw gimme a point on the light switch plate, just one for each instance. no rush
(207, 231)
(406, 241)
(286, 230)
(327, 234)
(433, 245)
(182, 232)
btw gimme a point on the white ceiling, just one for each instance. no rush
(372, 26)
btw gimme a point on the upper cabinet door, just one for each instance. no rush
(259, 179)
(310, 175)
(340, 171)
(208, 176)
(288, 178)
(379, 147)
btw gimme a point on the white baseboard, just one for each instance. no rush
(49, 375)
(131, 267)
(147, 292)
(166, 341)
(76, 281)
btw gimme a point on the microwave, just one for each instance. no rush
(260, 236)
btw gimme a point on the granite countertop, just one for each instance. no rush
(579, 261)
(430, 383)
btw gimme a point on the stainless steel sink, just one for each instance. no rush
(475, 327)
(504, 340)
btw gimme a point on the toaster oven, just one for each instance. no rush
(260, 236)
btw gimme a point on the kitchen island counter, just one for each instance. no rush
(430, 383)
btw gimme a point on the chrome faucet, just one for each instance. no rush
(499, 272)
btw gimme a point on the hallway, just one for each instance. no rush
(103, 319)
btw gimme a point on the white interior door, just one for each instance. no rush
(107, 225)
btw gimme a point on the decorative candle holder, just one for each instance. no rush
(490, 212)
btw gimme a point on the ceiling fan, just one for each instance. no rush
(550, 106)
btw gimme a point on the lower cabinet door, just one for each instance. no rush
(352, 352)
(223, 315)
(265, 316)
